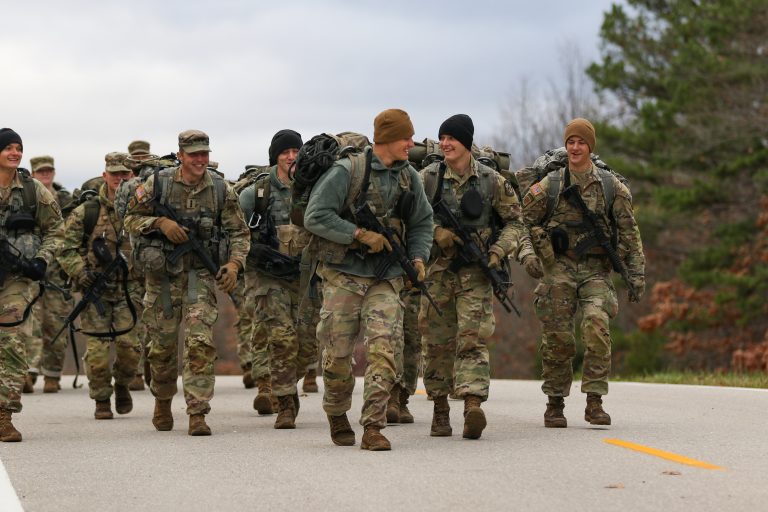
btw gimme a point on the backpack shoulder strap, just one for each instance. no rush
(220, 192)
(430, 177)
(356, 176)
(90, 218)
(553, 192)
(609, 189)
(30, 193)
(262, 189)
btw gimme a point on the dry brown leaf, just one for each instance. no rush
(614, 486)
(673, 473)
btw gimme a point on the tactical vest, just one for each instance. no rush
(102, 228)
(17, 217)
(384, 208)
(484, 182)
(201, 215)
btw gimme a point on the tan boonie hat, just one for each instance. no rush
(138, 147)
(116, 162)
(192, 141)
(41, 162)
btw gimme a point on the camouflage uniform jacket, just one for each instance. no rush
(64, 198)
(324, 216)
(503, 202)
(76, 256)
(140, 215)
(47, 221)
(565, 216)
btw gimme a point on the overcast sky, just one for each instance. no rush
(83, 78)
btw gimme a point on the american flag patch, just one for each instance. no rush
(140, 193)
(536, 189)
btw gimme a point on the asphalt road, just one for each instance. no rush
(71, 462)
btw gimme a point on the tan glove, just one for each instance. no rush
(171, 230)
(494, 261)
(445, 238)
(419, 265)
(532, 266)
(226, 277)
(638, 283)
(375, 241)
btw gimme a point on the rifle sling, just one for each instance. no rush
(27, 310)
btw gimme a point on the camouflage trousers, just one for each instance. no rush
(183, 303)
(567, 286)
(15, 294)
(252, 346)
(308, 317)
(49, 315)
(137, 296)
(370, 309)
(97, 353)
(456, 355)
(408, 353)
(273, 304)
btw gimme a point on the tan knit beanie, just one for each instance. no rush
(581, 128)
(391, 125)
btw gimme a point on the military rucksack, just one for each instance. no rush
(318, 155)
(428, 151)
(29, 195)
(251, 174)
(550, 163)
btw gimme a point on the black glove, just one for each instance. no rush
(35, 269)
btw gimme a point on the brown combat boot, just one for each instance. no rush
(441, 420)
(8, 433)
(594, 412)
(103, 410)
(310, 382)
(248, 380)
(163, 418)
(198, 426)
(405, 414)
(123, 400)
(263, 401)
(553, 416)
(341, 431)
(29, 383)
(393, 405)
(474, 417)
(51, 384)
(137, 384)
(374, 440)
(286, 413)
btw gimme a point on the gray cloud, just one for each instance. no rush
(84, 78)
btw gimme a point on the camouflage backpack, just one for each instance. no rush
(550, 163)
(318, 155)
(251, 174)
(424, 153)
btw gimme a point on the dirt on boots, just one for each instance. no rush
(553, 416)
(594, 413)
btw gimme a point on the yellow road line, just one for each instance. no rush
(660, 453)
(421, 392)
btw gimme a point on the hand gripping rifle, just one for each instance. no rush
(470, 252)
(13, 262)
(599, 238)
(268, 259)
(92, 295)
(367, 219)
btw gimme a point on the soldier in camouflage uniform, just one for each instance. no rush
(30, 219)
(579, 280)
(407, 359)
(96, 219)
(206, 207)
(355, 301)
(138, 153)
(272, 300)
(52, 308)
(456, 351)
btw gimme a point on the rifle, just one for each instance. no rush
(470, 252)
(600, 239)
(92, 295)
(193, 245)
(367, 219)
(268, 259)
(13, 262)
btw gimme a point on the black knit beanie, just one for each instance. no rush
(8, 136)
(459, 127)
(284, 139)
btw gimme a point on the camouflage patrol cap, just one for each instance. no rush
(116, 162)
(138, 148)
(213, 165)
(41, 162)
(192, 141)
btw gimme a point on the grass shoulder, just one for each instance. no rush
(741, 380)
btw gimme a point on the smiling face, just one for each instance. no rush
(578, 153)
(10, 156)
(395, 151)
(454, 151)
(285, 161)
(193, 165)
